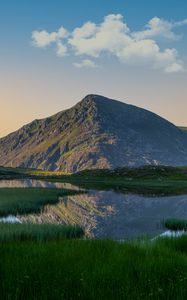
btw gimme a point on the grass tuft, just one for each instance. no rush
(175, 224)
(38, 232)
(29, 200)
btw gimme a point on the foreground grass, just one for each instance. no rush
(38, 232)
(29, 200)
(175, 224)
(91, 269)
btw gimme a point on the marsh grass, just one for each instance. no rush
(175, 224)
(38, 232)
(94, 269)
(29, 200)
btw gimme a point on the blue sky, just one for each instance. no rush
(19, 18)
(36, 82)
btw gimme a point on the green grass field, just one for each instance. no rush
(91, 269)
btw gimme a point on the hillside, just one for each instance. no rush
(183, 128)
(96, 133)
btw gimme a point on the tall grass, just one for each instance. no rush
(38, 232)
(29, 200)
(93, 269)
(175, 224)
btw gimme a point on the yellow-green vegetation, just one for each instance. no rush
(42, 173)
(17, 201)
(93, 269)
(27, 172)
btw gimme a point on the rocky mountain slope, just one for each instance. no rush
(96, 133)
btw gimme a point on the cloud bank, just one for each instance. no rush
(113, 37)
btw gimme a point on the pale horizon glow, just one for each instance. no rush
(30, 99)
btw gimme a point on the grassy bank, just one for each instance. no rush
(151, 180)
(94, 270)
(29, 200)
(38, 232)
(11, 173)
(158, 180)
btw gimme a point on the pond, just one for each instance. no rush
(107, 214)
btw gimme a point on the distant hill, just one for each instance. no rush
(183, 128)
(96, 133)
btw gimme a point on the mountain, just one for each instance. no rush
(183, 128)
(96, 133)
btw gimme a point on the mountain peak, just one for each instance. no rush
(97, 98)
(94, 97)
(97, 132)
(104, 104)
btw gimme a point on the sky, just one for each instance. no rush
(53, 53)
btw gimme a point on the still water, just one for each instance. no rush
(30, 183)
(107, 214)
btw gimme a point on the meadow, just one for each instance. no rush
(94, 269)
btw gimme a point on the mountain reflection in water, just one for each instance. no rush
(107, 214)
(32, 183)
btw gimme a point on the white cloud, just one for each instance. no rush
(147, 52)
(173, 68)
(157, 27)
(111, 34)
(86, 63)
(61, 49)
(86, 31)
(113, 37)
(42, 38)
(181, 23)
(62, 33)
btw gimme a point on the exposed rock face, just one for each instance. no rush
(95, 133)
